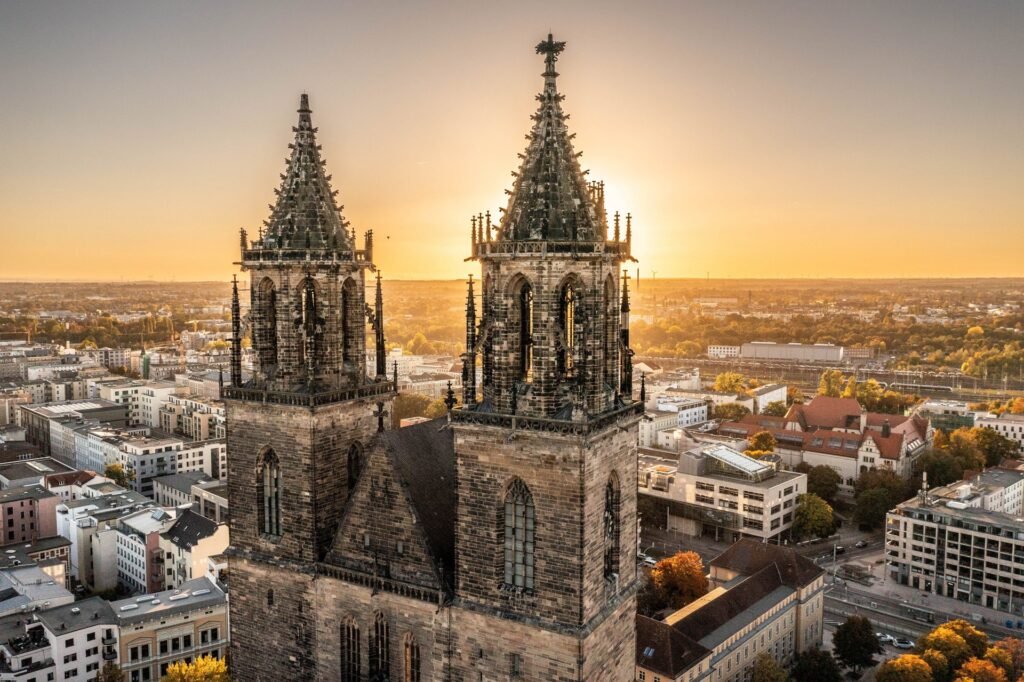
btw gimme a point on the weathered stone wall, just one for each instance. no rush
(597, 316)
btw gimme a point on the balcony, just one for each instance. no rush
(109, 640)
(110, 655)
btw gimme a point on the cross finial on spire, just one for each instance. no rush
(550, 49)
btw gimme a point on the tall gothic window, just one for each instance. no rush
(567, 329)
(526, 332)
(349, 321)
(268, 496)
(307, 322)
(350, 652)
(519, 542)
(412, 660)
(265, 325)
(380, 650)
(611, 527)
(609, 337)
(355, 465)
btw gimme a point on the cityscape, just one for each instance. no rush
(559, 438)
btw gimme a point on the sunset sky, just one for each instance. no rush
(748, 139)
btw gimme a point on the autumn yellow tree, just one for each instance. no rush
(1014, 649)
(831, 383)
(980, 670)
(975, 638)
(203, 669)
(730, 382)
(679, 579)
(949, 643)
(905, 668)
(937, 661)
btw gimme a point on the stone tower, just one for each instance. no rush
(545, 458)
(296, 430)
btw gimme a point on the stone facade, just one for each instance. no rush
(497, 543)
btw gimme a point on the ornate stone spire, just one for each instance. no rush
(550, 199)
(305, 215)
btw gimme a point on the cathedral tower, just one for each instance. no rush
(546, 454)
(296, 430)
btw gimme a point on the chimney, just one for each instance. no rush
(886, 429)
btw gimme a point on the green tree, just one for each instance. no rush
(776, 408)
(679, 579)
(435, 409)
(816, 665)
(731, 411)
(942, 468)
(831, 383)
(855, 643)
(872, 506)
(905, 668)
(963, 446)
(812, 518)
(767, 669)
(824, 482)
(119, 475)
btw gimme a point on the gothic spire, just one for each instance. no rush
(378, 330)
(236, 336)
(305, 215)
(469, 359)
(550, 198)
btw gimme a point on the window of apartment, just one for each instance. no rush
(94, 651)
(758, 497)
(724, 490)
(705, 486)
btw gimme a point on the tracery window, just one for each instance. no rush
(350, 652)
(519, 538)
(526, 332)
(265, 325)
(611, 527)
(268, 495)
(380, 649)
(567, 328)
(412, 660)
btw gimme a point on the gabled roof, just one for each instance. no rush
(663, 649)
(305, 214)
(824, 412)
(749, 556)
(550, 198)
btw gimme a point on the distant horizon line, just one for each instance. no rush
(459, 279)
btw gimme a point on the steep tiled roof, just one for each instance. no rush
(663, 649)
(749, 556)
(827, 413)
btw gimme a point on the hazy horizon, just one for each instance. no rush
(797, 139)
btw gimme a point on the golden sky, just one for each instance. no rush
(748, 139)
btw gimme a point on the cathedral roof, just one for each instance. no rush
(305, 214)
(550, 198)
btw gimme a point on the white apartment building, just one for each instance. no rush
(139, 556)
(964, 541)
(194, 418)
(719, 352)
(152, 396)
(80, 520)
(715, 490)
(187, 546)
(1007, 425)
(653, 422)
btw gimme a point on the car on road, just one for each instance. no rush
(884, 638)
(840, 549)
(903, 643)
(646, 560)
(861, 544)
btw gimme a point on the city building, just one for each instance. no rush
(36, 418)
(175, 490)
(715, 490)
(964, 540)
(210, 498)
(194, 418)
(357, 536)
(721, 352)
(791, 352)
(27, 513)
(29, 587)
(187, 546)
(764, 599)
(51, 554)
(180, 624)
(1006, 424)
(948, 415)
(30, 472)
(140, 559)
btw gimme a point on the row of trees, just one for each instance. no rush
(957, 651)
(869, 394)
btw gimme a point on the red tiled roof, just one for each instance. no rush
(828, 413)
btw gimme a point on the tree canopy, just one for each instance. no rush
(776, 408)
(203, 669)
(855, 643)
(730, 382)
(679, 579)
(824, 481)
(905, 668)
(767, 669)
(731, 411)
(980, 670)
(816, 665)
(119, 475)
(812, 518)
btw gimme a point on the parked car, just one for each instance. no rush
(884, 638)
(861, 544)
(646, 560)
(840, 549)
(903, 643)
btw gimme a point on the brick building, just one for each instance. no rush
(494, 544)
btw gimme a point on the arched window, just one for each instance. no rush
(350, 652)
(412, 660)
(567, 329)
(350, 320)
(308, 321)
(519, 541)
(265, 326)
(525, 310)
(611, 526)
(268, 495)
(355, 465)
(380, 649)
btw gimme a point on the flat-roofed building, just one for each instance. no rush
(1007, 425)
(27, 513)
(170, 626)
(714, 489)
(36, 418)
